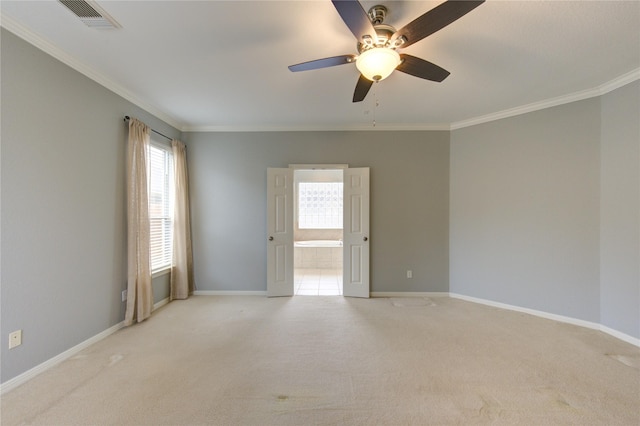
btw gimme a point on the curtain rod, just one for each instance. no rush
(127, 118)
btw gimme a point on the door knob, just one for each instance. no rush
(270, 238)
(365, 239)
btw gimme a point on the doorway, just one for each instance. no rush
(280, 231)
(318, 231)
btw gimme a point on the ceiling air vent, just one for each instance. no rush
(91, 14)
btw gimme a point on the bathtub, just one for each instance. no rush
(318, 254)
(318, 243)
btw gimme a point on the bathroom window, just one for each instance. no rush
(160, 205)
(320, 205)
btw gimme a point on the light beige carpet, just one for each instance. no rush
(338, 361)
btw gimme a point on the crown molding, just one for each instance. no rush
(548, 103)
(364, 127)
(617, 83)
(36, 40)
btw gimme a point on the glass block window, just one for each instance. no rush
(320, 205)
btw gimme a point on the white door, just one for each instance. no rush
(355, 275)
(279, 232)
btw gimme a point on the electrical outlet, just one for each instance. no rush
(124, 295)
(15, 339)
(409, 273)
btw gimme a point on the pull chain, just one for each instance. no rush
(376, 104)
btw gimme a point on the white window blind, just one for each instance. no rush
(161, 206)
(320, 205)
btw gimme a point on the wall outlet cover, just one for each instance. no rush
(15, 339)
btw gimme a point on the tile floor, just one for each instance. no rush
(317, 282)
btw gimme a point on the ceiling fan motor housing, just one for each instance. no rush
(384, 33)
(377, 14)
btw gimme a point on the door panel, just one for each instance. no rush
(356, 264)
(279, 232)
(356, 233)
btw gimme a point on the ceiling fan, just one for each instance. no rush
(378, 43)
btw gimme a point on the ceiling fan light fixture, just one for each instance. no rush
(377, 63)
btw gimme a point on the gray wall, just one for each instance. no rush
(620, 210)
(545, 210)
(525, 212)
(409, 202)
(63, 218)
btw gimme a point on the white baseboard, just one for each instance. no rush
(618, 335)
(560, 318)
(228, 293)
(408, 294)
(29, 374)
(160, 304)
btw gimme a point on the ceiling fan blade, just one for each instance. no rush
(434, 20)
(362, 88)
(421, 68)
(323, 63)
(355, 17)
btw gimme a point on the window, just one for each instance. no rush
(161, 206)
(320, 205)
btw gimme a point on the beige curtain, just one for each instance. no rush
(182, 284)
(139, 291)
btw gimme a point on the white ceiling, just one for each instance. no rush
(222, 65)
